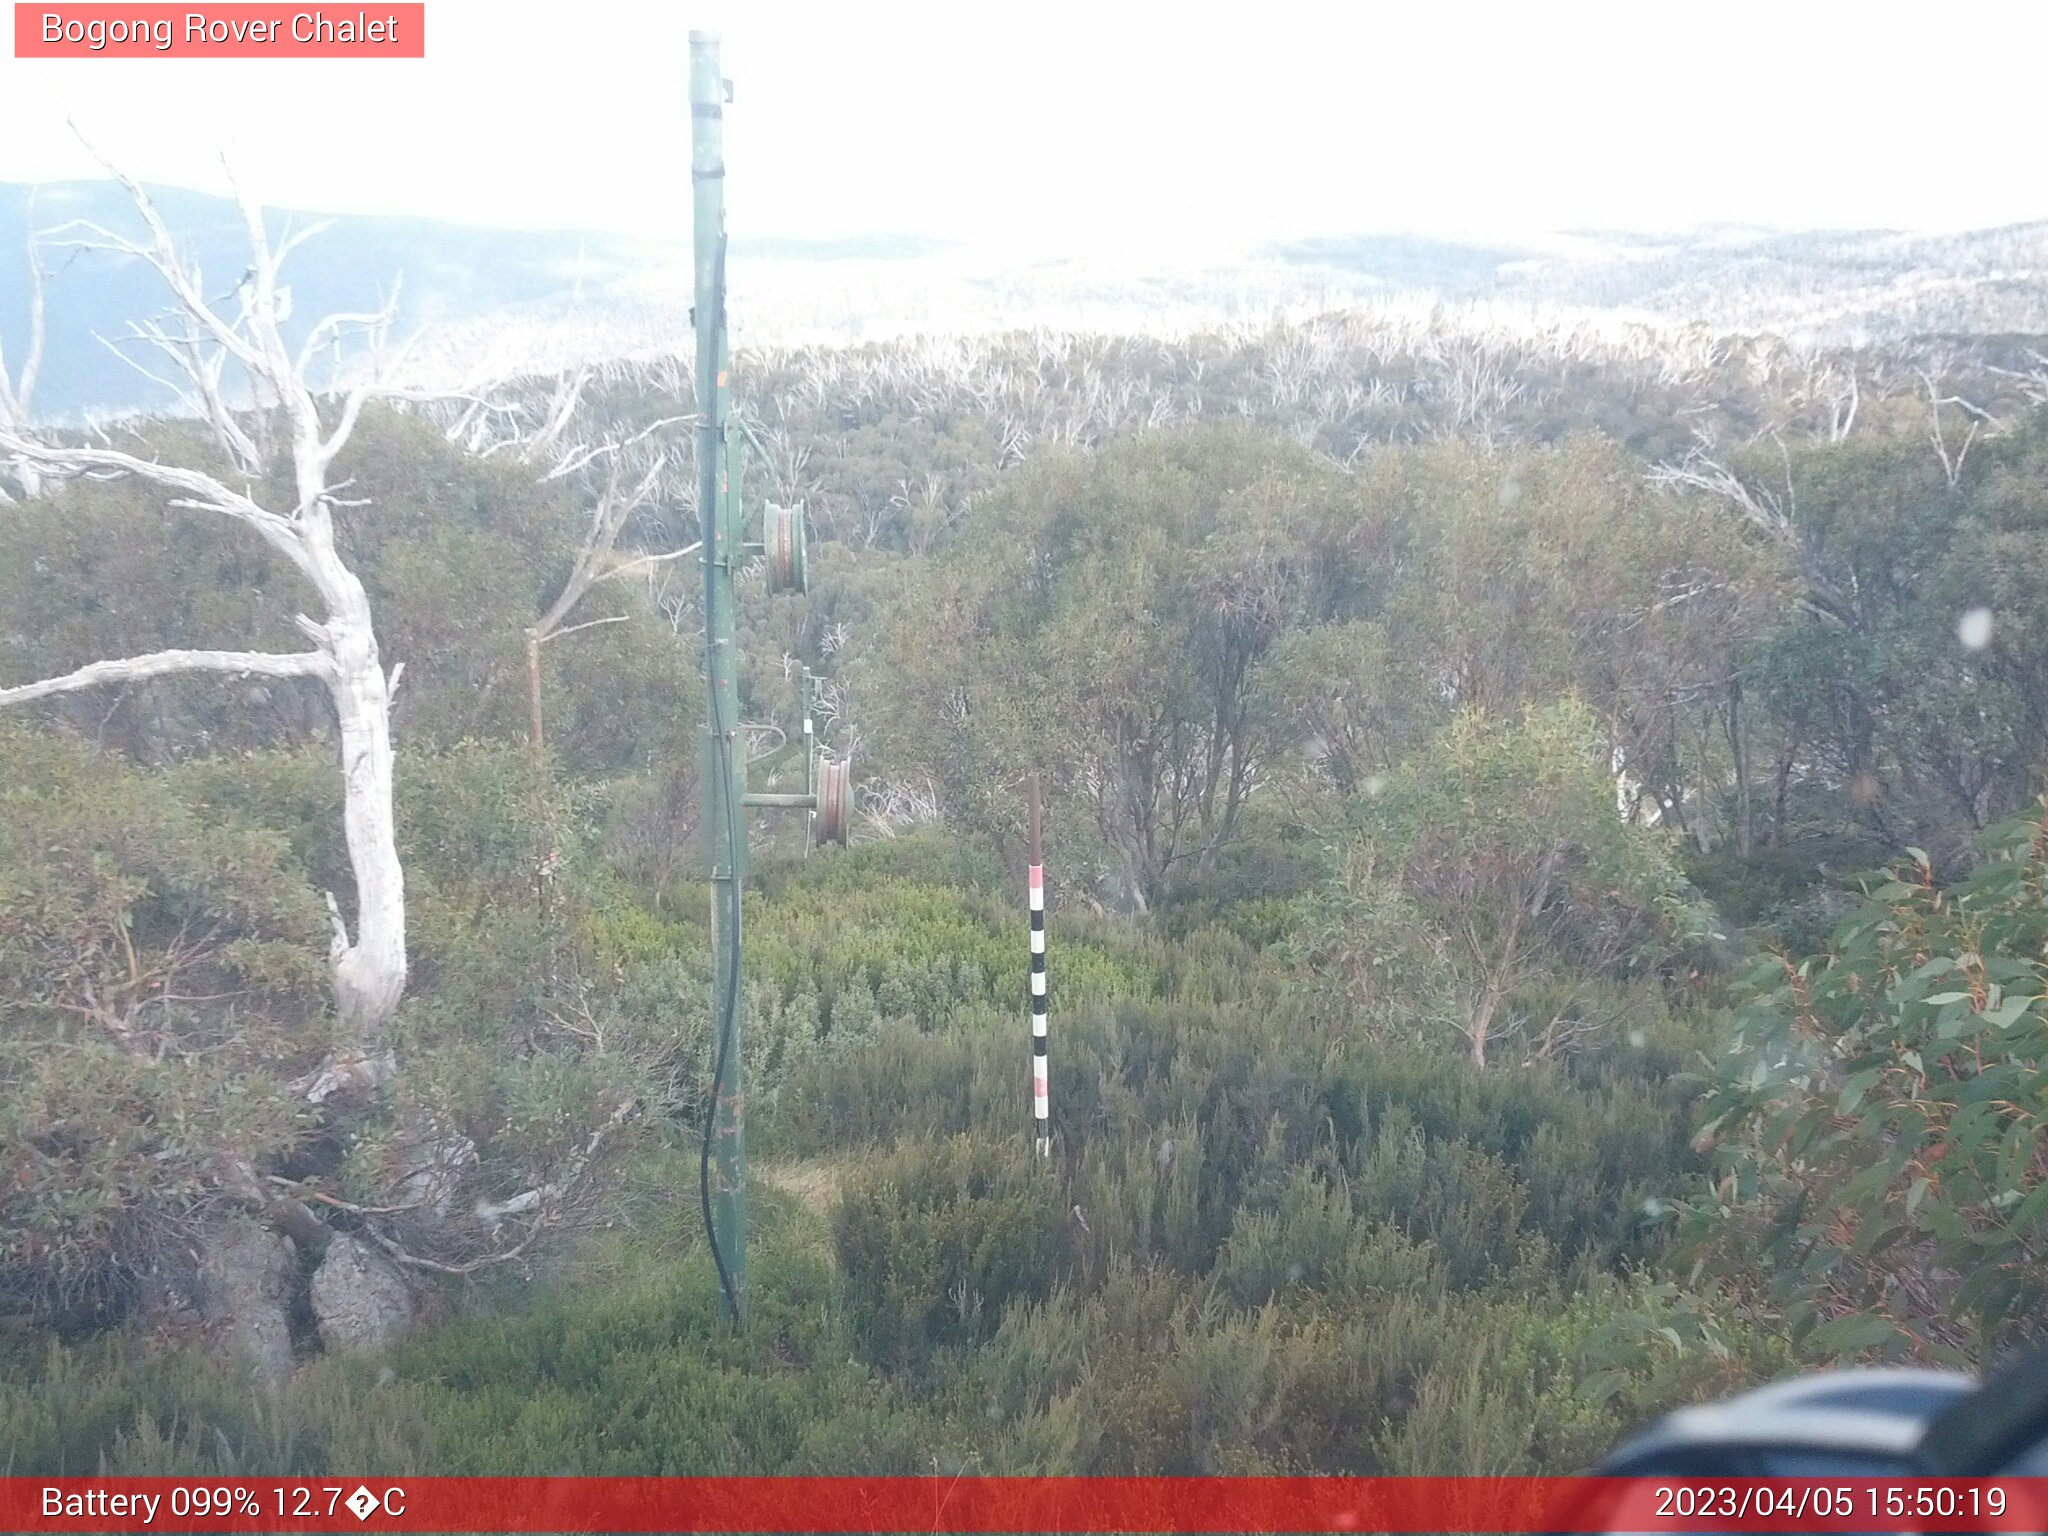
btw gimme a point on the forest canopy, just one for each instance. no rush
(1476, 1025)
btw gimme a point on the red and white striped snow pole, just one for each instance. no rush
(1041, 1096)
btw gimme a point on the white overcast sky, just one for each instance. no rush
(1063, 123)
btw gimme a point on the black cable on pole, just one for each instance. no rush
(727, 1007)
(722, 743)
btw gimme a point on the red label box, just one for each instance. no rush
(1078, 1506)
(379, 30)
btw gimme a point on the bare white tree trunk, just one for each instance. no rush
(614, 505)
(17, 394)
(1951, 457)
(369, 975)
(201, 340)
(620, 476)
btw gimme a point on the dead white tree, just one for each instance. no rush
(1842, 403)
(1951, 455)
(511, 416)
(618, 495)
(2032, 383)
(893, 806)
(17, 393)
(1764, 509)
(1760, 506)
(233, 369)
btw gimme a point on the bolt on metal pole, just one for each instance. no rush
(723, 768)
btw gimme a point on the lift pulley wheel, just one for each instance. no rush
(784, 543)
(835, 800)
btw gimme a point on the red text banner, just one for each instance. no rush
(1021, 1504)
(223, 31)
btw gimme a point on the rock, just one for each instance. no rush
(350, 1073)
(360, 1299)
(430, 1162)
(243, 1290)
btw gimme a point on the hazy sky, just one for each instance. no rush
(1128, 123)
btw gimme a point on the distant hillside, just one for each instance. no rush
(451, 273)
(458, 280)
(1840, 286)
(492, 302)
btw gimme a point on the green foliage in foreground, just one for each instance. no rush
(1411, 1222)
(158, 981)
(1264, 1244)
(624, 1365)
(1489, 883)
(1883, 1106)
